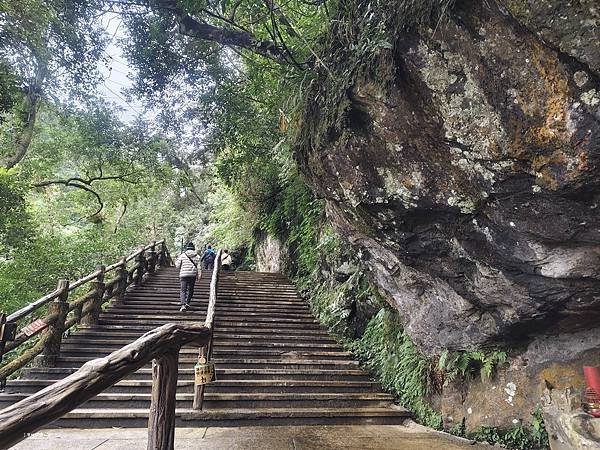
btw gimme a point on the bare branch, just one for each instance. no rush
(74, 182)
(120, 217)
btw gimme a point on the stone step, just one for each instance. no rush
(247, 363)
(289, 316)
(173, 306)
(219, 353)
(220, 386)
(233, 293)
(235, 400)
(106, 418)
(304, 374)
(219, 324)
(161, 320)
(220, 343)
(222, 335)
(156, 301)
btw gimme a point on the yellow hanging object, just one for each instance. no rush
(204, 372)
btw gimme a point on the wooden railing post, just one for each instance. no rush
(205, 352)
(91, 318)
(152, 258)
(2, 344)
(123, 275)
(20, 419)
(199, 389)
(54, 332)
(141, 270)
(162, 255)
(161, 422)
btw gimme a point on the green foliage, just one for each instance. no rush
(388, 351)
(459, 429)
(15, 227)
(519, 437)
(52, 36)
(230, 225)
(9, 89)
(469, 364)
(47, 230)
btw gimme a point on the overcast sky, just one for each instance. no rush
(116, 71)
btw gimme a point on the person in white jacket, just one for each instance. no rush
(187, 263)
(226, 260)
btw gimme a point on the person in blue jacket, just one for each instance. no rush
(208, 258)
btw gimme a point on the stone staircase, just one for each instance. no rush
(275, 364)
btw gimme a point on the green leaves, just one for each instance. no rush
(389, 352)
(15, 226)
(519, 437)
(469, 364)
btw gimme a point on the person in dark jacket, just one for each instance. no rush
(208, 258)
(187, 263)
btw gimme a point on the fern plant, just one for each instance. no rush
(468, 364)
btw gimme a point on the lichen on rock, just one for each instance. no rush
(463, 163)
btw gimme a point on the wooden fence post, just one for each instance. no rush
(91, 318)
(199, 389)
(162, 255)
(55, 330)
(122, 285)
(152, 258)
(141, 270)
(161, 421)
(2, 345)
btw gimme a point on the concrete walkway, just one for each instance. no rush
(377, 437)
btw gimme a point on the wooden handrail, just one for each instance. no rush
(26, 310)
(85, 309)
(161, 345)
(206, 351)
(212, 297)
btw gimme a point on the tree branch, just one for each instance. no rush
(191, 27)
(74, 182)
(120, 217)
(87, 182)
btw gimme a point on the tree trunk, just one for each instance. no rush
(29, 109)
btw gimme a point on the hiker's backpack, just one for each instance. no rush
(209, 257)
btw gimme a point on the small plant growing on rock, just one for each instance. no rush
(469, 364)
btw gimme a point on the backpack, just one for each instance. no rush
(209, 257)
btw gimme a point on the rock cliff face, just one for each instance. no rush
(270, 254)
(466, 168)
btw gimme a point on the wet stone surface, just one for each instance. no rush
(411, 437)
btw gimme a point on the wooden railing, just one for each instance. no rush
(161, 345)
(62, 315)
(205, 352)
